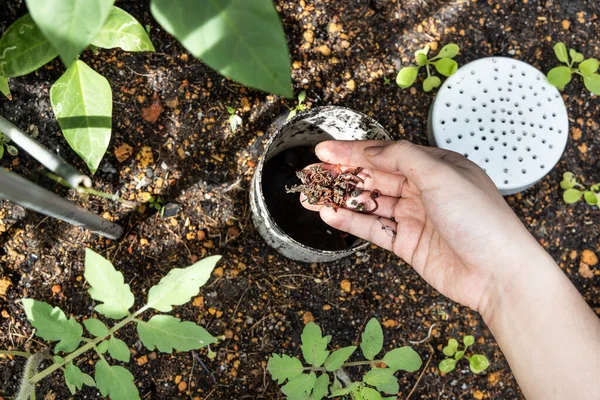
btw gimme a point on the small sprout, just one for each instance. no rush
(574, 191)
(234, 120)
(299, 107)
(587, 69)
(443, 62)
(387, 81)
(477, 362)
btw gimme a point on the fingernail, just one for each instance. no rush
(373, 150)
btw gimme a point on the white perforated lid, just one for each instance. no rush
(503, 115)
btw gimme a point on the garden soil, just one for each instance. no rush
(344, 53)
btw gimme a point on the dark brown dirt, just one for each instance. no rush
(257, 298)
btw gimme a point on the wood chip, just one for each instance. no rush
(153, 111)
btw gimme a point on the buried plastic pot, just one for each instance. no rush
(280, 218)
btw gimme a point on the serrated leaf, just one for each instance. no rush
(446, 66)
(5, 91)
(115, 381)
(589, 66)
(421, 59)
(576, 56)
(181, 284)
(69, 25)
(468, 340)
(478, 363)
(459, 354)
(370, 394)
(82, 102)
(242, 40)
(448, 51)
(560, 77)
(23, 48)
(52, 324)
(372, 339)
(561, 52)
(347, 390)
(321, 387)
(103, 346)
(95, 327)
(107, 285)
(299, 388)
(282, 367)
(383, 379)
(118, 349)
(167, 333)
(431, 83)
(403, 359)
(571, 196)
(314, 345)
(124, 31)
(76, 378)
(407, 76)
(447, 365)
(590, 198)
(339, 357)
(450, 348)
(592, 83)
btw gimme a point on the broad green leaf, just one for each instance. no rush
(95, 327)
(291, 115)
(424, 51)
(403, 358)
(566, 184)
(118, 349)
(168, 333)
(446, 66)
(230, 110)
(468, 340)
(459, 354)
(383, 379)
(321, 387)
(1, 150)
(576, 56)
(560, 77)
(450, 348)
(181, 284)
(338, 357)
(407, 76)
(589, 66)
(447, 365)
(122, 30)
(571, 196)
(561, 52)
(282, 367)
(52, 324)
(82, 102)
(314, 345)
(431, 83)
(478, 363)
(58, 359)
(69, 25)
(103, 346)
(75, 377)
(370, 394)
(301, 97)
(115, 381)
(300, 387)
(336, 385)
(590, 198)
(448, 51)
(372, 339)
(421, 59)
(4, 89)
(347, 390)
(592, 83)
(23, 48)
(107, 285)
(242, 40)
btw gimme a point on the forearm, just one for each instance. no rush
(549, 335)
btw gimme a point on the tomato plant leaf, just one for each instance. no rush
(383, 379)
(76, 378)
(314, 345)
(339, 357)
(403, 358)
(95, 327)
(166, 333)
(300, 387)
(321, 387)
(115, 381)
(372, 339)
(53, 325)
(118, 349)
(282, 367)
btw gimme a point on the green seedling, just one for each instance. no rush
(477, 362)
(574, 191)
(10, 149)
(443, 63)
(387, 81)
(234, 120)
(114, 300)
(587, 69)
(299, 107)
(157, 203)
(325, 375)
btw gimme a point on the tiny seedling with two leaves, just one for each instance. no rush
(108, 287)
(443, 63)
(10, 149)
(234, 119)
(477, 362)
(587, 68)
(299, 107)
(574, 191)
(325, 375)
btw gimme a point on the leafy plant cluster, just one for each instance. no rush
(10, 149)
(586, 68)
(574, 191)
(325, 374)
(234, 119)
(107, 286)
(443, 62)
(477, 362)
(82, 99)
(298, 107)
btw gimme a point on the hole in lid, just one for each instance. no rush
(541, 126)
(543, 87)
(481, 128)
(484, 105)
(461, 91)
(492, 130)
(505, 170)
(524, 171)
(511, 75)
(449, 86)
(448, 141)
(485, 90)
(543, 141)
(524, 97)
(520, 86)
(483, 138)
(542, 166)
(460, 136)
(474, 109)
(509, 112)
(539, 104)
(549, 100)
(530, 87)
(499, 89)
(480, 120)
(494, 111)
(472, 133)
(554, 115)
(474, 98)
(538, 78)
(533, 135)
(523, 123)
(528, 148)
(476, 147)
(492, 148)
(442, 122)
(487, 160)
(454, 120)
(460, 106)
(531, 110)
(550, 146)
(531, 124)
(479, 81)
(520, 159)
(510, 82)
(503, 133)
(496, 69)
(518, 138)
(493, 100)
(514, 148)
(509, 89)
(512, 122)
(512, 131)
(516, 104)
(521, 113)
(534, 157)
(560, 131)
(504, 157)
(493, 120)
(472, 72)
(504, 144)
(448, 104)
(506, 182)
(535, 93)
(524, 133)
(467, 120)
(523, 73)
(496, 138)
(551, 128)
(466, 155)
(557, 95)
(495, 78)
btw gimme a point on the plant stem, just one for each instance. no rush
(350, 364)
(93, 192)
(16, 353)
(428, 70)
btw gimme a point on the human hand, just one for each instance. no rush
(452, 225)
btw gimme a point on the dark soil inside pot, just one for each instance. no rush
(286, 209)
